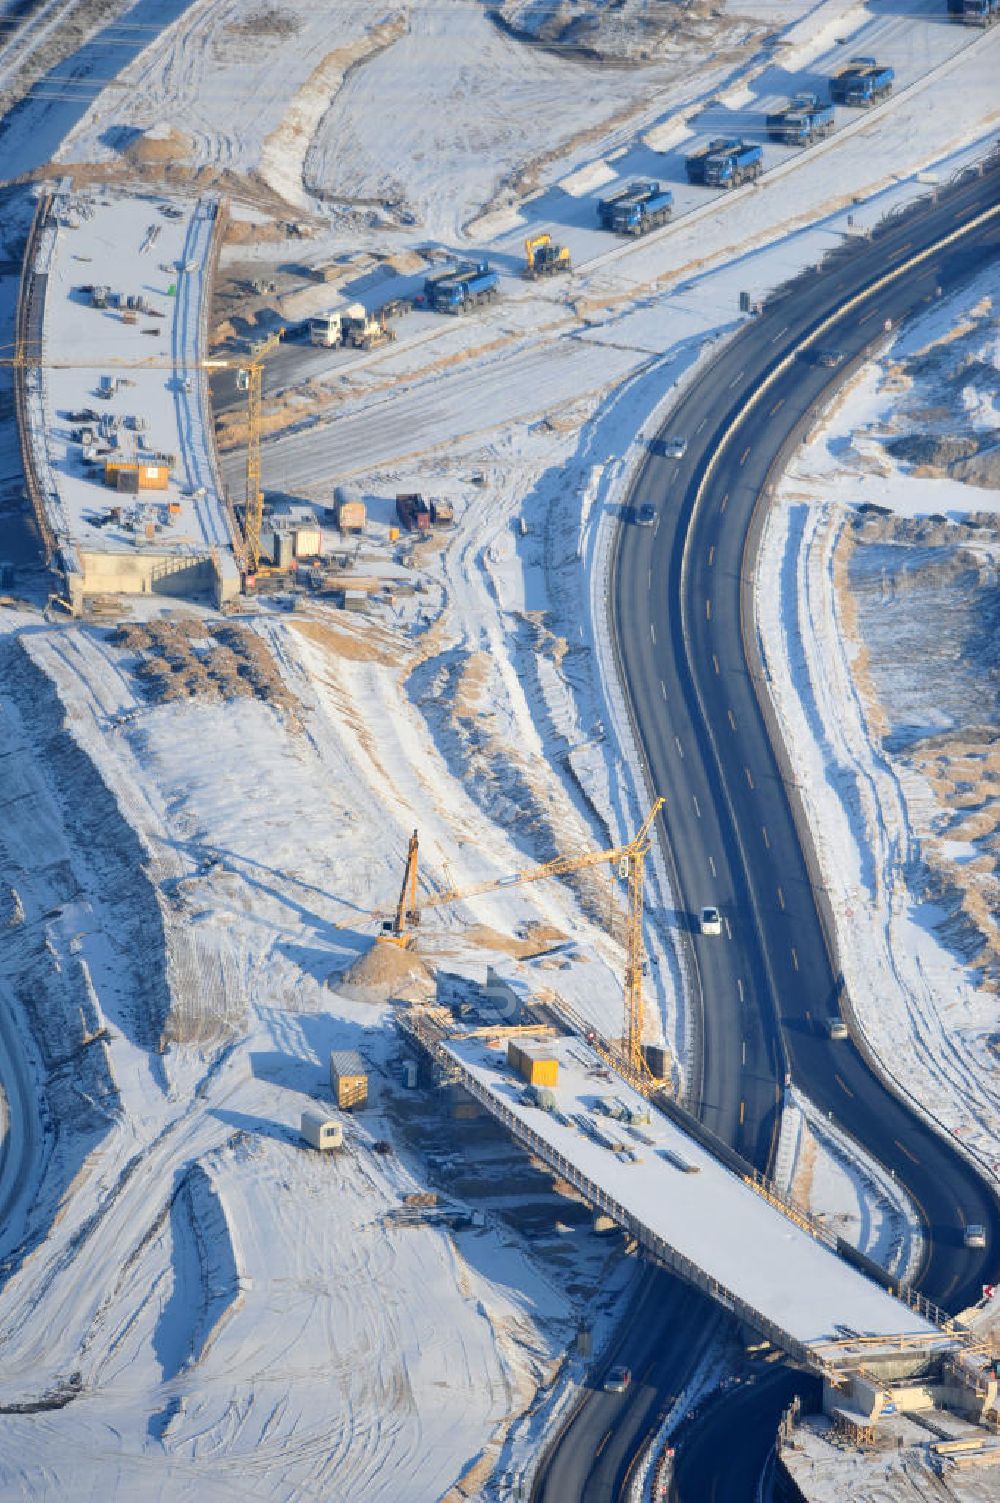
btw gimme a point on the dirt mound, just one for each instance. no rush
(535, 939)
(386, 971)
(160, 143)
(180, 658)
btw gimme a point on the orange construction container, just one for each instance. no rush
(533, 1064)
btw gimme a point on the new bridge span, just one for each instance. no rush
(730, 1234)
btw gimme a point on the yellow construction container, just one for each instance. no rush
(533, 1064)
(348, 1078)
(131, 474)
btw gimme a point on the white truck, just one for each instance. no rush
(327, 330)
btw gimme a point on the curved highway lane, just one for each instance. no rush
(663, 1337)
(677, 605)
(767, 983)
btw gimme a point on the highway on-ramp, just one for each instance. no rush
(768, 981)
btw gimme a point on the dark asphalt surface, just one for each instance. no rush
(667, 1328)
(767, 982)
(728, 819)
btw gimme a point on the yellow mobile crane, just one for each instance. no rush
(630, 861)
(249, 378)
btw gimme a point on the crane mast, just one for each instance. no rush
(249, 378)
(630, 861)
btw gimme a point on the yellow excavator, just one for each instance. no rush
(545, 258)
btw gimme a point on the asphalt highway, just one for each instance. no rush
(767, 982)
(667, 1329)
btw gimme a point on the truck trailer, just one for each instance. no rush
(642, 206)
(800, 121)
(974, 12)
(862, 83)
(327, 330)
(461, 287)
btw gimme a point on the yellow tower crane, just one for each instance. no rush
(630, 862)
(249, 378)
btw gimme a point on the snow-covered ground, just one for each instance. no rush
(199, 1278)
(898, 1469)
(185, 934)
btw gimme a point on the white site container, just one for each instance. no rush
(321, 1131)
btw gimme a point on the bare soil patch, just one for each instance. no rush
(218, 661)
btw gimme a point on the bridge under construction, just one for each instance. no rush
(732, 1235)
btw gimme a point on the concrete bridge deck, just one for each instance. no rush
(769, 1266)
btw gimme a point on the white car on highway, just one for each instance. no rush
(711, 921)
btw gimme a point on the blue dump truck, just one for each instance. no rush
(800, 121)
(974, 12)
(863, 82)
(636, 209)
(460, 287)
(696, 163)
(735, 163)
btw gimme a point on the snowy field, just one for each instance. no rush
(195, 1305)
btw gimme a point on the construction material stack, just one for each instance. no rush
(461, 287)
(349, 509)
(348, 1078)
(862, 83)
(636, 209)
(544, 258)
(801, 121)
(535, 1064)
